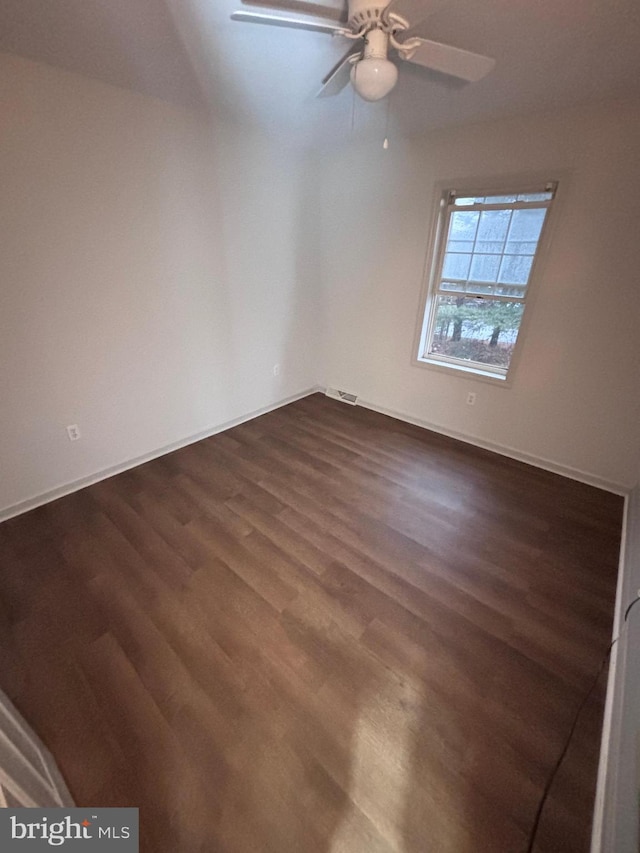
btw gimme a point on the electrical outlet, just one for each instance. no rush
(276, 370)
(73, 431)
(471, 398)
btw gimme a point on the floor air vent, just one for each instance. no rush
(343, 396)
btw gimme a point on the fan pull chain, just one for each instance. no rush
(353, 107)
(385, 144)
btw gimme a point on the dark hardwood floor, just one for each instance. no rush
(323, 630)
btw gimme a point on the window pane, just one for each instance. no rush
(535, 196)
(462, 234)
(463, 225)
(477, 240)
(492, 230)
(456, 266)
(515, 269)
(481, 330)
(485, 267)
(525, 229)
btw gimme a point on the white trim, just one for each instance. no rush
(504, 450)
(104, 473)
(608, 833)
(612, 716)
(475, 368)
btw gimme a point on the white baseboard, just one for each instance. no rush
(75, 485)
(504, 450)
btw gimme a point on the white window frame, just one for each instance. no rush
(445, 196)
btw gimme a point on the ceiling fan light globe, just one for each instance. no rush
(374, 78)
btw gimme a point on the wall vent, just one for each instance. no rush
(343, 396)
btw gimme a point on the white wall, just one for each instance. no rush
(152, 272)
(155, 267)
(575, 395)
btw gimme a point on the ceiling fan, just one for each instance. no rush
(378, 27)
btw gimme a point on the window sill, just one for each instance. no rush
(463, 370)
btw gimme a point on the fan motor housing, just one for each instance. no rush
(365, 13)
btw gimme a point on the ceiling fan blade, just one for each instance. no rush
(336, 12)
(414, 11)
(338, 77)
(279, 21)
(448, 59)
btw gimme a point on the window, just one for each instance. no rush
(483, 257)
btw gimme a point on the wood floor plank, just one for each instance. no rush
(323, 630)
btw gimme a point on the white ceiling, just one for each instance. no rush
(549, 53)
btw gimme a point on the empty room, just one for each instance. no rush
(320, 426)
